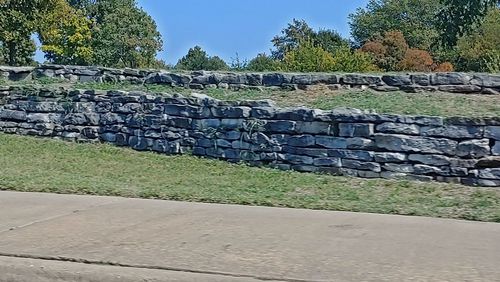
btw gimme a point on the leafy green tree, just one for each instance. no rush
(458, 17)
(299, 31)
(262, 62)
(19, 19)
(480, 49)
(414, 18)
(66, 37)
(197, 59)
(348, 60)
(123, 35)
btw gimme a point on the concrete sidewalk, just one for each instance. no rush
(46, 237)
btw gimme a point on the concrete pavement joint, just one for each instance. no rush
(152, 267)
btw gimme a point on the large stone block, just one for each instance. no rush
(356, 129)
(360, 143)
(474, 148)
(398, 128)
(280, 126)
(403, 143)
(231, 112)
(492, 132)
(187, 111)
(438, 160)
(455, 132)
(333, 162)
(496, 149)
(402, 168)
(296, 159)
(486, 80)
(316, 127)
(331, 142)
(375, 167)
(351, 154)
(384, 157)
(490, 173)
(450, 79)
(13, 115)
(361, 79)
(397, 80)
(301, 141)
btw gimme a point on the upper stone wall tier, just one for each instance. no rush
(409, 82)
(341, 141)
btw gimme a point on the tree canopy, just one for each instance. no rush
(414, 18)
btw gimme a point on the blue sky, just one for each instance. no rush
(224, 27)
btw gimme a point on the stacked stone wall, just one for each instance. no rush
(341, 142)
(409, 82)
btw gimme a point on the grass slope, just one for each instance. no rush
(435, 103)
(40, 165)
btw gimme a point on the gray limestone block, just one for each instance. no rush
(301, 141)
(360, 143)
(402, 168)
(496, 149)
(281, 126)
(331, 142)
(426, 169)
(317, 127)
(490, 173)
(460, 88)
(481, 182)
(492, 132)
(366, 156)
(333, 162)
(375, 167)
(453, 131)
(312, 152)
(486, 80)
(398, 128)
(356, 129)
(13, 115)
(361, 79)
(397, 80)
(385, 157)
(454, 78)
(404, 143)
(231, 112)
(187, 111)
(438, 160)
(297, 159)
(474, 148)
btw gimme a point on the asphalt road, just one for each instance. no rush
(47, 237)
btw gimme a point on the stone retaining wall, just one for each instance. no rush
(412, 82)
(342, 141)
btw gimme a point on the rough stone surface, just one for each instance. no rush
(340, 142)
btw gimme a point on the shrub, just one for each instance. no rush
(416, 60)
(347, 60)
(262, 62)
(444, 67)
(308, 57)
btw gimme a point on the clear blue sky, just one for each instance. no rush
(224, 27)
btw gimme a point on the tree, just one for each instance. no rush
(197, 59)
(480, 50)
(414, 18)
(66, 36)
(299, 31)
(458, 17)
(123, 35)
(388, 50)
(19, 19)
(262, 62)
